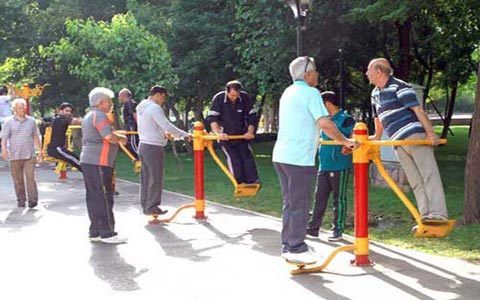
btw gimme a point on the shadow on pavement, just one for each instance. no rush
(459, 285)
(109, 266)
(267, 241)
(174, 246)
(20, 217)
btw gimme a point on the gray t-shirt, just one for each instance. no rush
(95, 149)
(19, 135)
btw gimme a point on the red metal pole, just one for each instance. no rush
(360, 165)
(198, 169)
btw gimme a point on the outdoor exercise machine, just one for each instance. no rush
(61, 168)
(370, 150)
(202, 140)
(26, 92)
(137, 164)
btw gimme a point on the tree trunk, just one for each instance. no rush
(426, 92)
(404, 64)
(449, 110)
(260, 110)
(471, 207)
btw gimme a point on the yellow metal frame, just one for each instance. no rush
(240, 190)
(370, 150)
(303, 270)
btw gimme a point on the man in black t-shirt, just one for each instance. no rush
(232, 113)
(57, 147)
(129, 119)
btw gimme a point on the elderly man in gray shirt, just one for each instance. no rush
(19, 135)
(153, 127)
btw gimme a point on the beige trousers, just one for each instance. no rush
(24, 169)
(422, 173)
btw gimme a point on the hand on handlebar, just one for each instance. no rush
(222, 136)
(351, 144)
(249, 136)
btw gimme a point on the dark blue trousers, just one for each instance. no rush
(240, 161)
(98, 185)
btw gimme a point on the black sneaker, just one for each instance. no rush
(336, 236)
(20, 204)
(312, 232)
(32, 204)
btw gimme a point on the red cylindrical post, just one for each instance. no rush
(198, 169)
(63, 174)
(360, 165)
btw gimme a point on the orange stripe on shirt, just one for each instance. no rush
(102, 124)
(104, 153)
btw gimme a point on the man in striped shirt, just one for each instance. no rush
(19, 136)
(397, 110)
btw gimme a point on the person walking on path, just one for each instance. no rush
(99, 149)
(19, 137)
(397, 110)
(333, 172)
(301, 114)
(153, 128)
(232, 113)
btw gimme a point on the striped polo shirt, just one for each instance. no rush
(19, 134)
(95, 149)
(392, 106)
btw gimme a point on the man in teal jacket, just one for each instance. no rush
(335, 165)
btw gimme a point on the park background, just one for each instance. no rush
(194, 47)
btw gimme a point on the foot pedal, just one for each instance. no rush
(247, 189)
(434, 230)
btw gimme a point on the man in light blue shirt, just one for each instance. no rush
(302, 115)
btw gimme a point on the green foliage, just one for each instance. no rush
(264, 39)
(115, 55)
(15, 70)
(202, 48)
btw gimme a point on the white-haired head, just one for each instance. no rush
(98, 94)
(301, 65)
(20, 101)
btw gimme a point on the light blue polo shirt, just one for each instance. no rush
(300, 108)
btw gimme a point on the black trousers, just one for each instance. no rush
(240, 161)
(99, 197)
(132, 139)
(67, 156)
(335, 182)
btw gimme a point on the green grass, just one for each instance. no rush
(391, 222)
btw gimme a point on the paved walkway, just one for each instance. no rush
(45, 253)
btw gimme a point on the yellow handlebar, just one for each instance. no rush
(388, 142)
(214, 137)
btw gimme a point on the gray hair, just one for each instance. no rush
(297, 67)
(19, 101)
(98, 94)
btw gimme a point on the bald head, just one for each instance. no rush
(378, 72)
(383, 65)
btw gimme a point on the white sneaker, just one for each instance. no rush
(306, 257)
(95, 239)
(116, 239)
